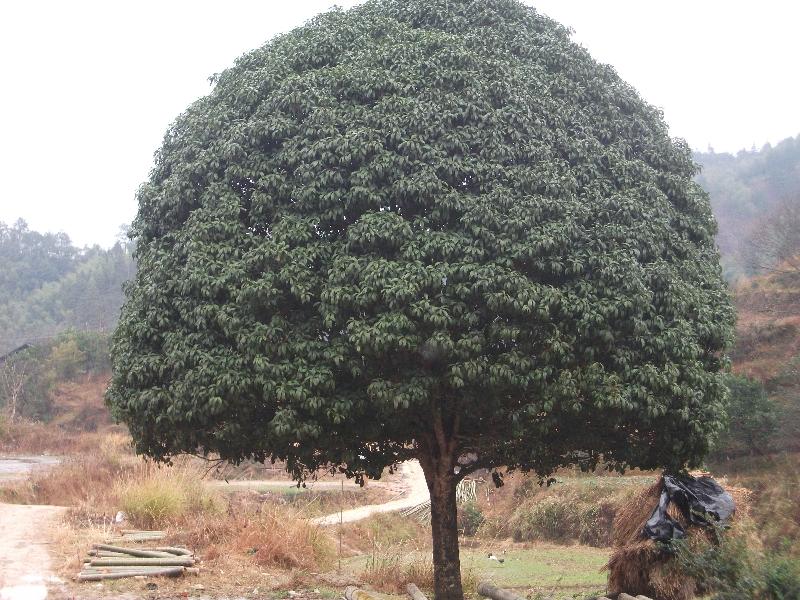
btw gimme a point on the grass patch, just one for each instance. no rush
(154, 495)
(775, 483)
(83, 480)
(559, 571)
(731, 569)
(391, 570)
(542, 567)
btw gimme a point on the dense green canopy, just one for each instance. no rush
(419, 207)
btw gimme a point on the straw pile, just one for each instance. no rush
(638, 566)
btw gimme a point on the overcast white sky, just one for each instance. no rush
(87, 89)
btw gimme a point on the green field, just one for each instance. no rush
(545, 567)
(554, 571)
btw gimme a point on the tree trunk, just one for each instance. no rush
(446, 562)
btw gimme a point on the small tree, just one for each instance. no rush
(13, 376)
(774, 244)
(424, 229)
(752, 419)
(66, 358)
(26, 382)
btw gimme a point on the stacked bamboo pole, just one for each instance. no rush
(136, 535)
(107, 561)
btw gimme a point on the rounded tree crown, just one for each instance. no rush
(423, 217)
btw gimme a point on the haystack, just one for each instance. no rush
(638, 566)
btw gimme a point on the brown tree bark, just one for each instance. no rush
(444, 525)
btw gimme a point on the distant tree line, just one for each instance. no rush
(48, 285)
(755, 196)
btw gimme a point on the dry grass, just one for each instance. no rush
(230, 533)
(245, 547)
(277, 536)
(83, 480)
(775, 485)
(575, 509)
(35, 437)
(384, 530)
(154, 495)
(390, 569)
(397, 551)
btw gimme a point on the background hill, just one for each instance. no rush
(48, 285)
(747, 190)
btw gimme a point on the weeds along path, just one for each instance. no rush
(24, 559)
(415, 491)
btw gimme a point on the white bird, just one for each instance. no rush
(493, 557)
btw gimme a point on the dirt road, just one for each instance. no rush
(24, 559)
(414, 492)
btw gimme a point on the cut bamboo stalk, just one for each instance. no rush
(169, 572)
(186, 570)
(136, 538)
(490, 590)
(415, 592)
(175, 550)
(130, 566)
(138, 531)
(176, 561)
(351, 592)
(143, 553)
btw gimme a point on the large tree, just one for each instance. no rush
(431, 229)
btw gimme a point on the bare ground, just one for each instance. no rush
(24, 558)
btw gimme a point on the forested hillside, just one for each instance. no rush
(756, 199)
(48, 285)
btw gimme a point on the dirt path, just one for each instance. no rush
(24, 559)
(414, 492)
(288, 485)
(19, 467)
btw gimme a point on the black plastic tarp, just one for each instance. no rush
(702, 501)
